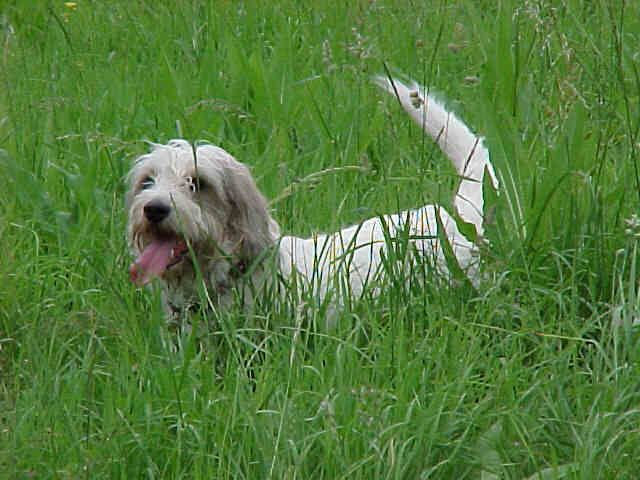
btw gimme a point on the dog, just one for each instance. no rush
(198, 223)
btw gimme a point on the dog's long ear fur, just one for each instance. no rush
(249, 217)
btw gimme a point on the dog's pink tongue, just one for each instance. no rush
(152, 262)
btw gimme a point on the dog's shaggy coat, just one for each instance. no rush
(195, 215)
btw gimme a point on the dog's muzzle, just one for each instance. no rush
(163, 251)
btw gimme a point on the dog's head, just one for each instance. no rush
(185, 199)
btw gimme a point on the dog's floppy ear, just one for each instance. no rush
(249, 217)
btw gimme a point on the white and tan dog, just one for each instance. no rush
(196, 219)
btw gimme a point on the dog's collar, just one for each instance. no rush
(187, 308)
(240, 269)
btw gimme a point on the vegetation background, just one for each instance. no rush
(536, 375)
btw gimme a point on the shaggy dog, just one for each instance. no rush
(196, 219)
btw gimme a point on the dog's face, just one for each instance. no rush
(190, 204)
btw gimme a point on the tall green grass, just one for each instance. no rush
(536, 375)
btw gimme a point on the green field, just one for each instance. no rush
(534, 376)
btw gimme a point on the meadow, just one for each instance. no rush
(535, 375)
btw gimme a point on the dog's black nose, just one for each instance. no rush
(156, 211)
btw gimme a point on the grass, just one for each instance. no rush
(526, 378)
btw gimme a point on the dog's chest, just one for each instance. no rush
(190, 289)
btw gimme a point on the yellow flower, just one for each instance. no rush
(70, 4)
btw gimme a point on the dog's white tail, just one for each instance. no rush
(464, 149)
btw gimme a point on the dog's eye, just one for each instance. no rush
(201, 184)
(198, 184)
(147, 182)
